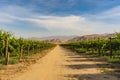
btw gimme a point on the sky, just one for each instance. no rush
(41, 18)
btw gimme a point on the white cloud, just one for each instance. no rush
(57, 24)
(63, 25)
(69, 22)
(15, 10)
(111, 13)
(4, 18)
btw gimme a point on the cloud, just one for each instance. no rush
(64, 25)
(70, 24)
(57, 24)
(16, 10)
(111, 13)
(4, 18)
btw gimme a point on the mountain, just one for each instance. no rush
(55, 41)
(58, 37)
(63, 39)
(90, 37)
(53, 37)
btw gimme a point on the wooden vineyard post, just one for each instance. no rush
(28, 48)
(92, 47)
(21, 51)
(99, 53)
(6, 51)
(33, 47)
(111, 50)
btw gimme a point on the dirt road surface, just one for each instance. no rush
(62, 64)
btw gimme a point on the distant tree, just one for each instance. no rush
(118, 35)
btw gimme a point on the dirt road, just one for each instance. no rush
(62, 64)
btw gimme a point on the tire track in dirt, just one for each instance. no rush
(62, 64)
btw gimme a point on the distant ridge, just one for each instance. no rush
(58, 37)
(90, 37)
(63, 39)
(53, 37)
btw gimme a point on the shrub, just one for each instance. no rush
(105, 57)
(13, 61)
(2, 67)
(80, 50)
(114, 61)
(2, 61)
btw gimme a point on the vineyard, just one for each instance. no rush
(60, 63)
(12, 49)
(106, 48)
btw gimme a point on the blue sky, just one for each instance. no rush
(39, 18)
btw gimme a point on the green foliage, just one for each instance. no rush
(114, 60)
(108, 48)
(13, 61)
(80, 50)
(105, 58)
(104, 69)
(2, 67)
(2, 61)
(20, 47)
(118, 35)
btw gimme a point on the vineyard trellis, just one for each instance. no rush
(11, 47)
(101, 47)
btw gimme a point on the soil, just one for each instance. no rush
(62, 64)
